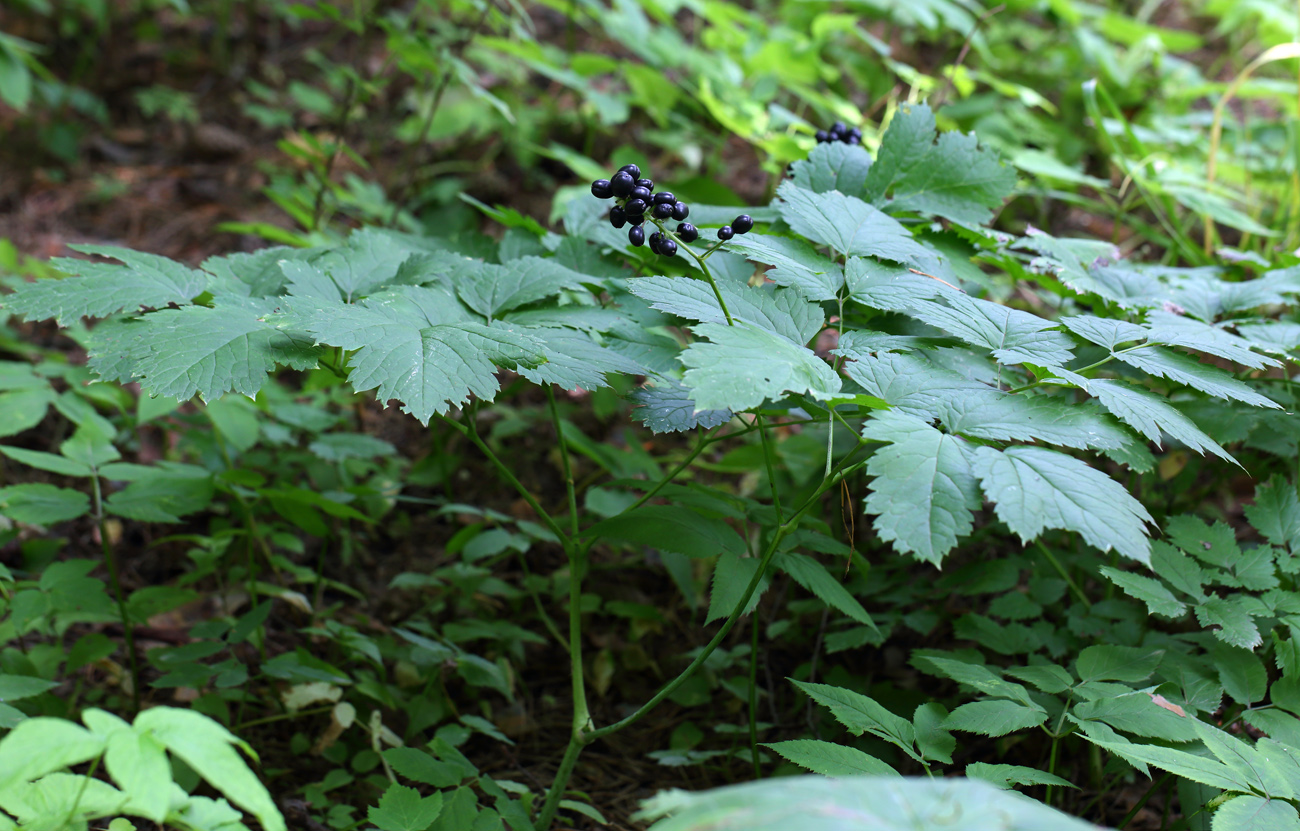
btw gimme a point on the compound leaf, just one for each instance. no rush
(1013, 336)
(782, 311)
(994, 718)
(952, 178)
(849, 225)
(1034, 489)
(795, 264)
(1184, 369)
(741, 366)
(923, 493)
(1149, 414)
(667, 407)
(144, 281)
(830, 759)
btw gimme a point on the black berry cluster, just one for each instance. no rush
(742, 224)
(839, 132)
(635, 200)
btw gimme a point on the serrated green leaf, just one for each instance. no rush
(428, 369)
(575, 361)
(932, 739)
(169, 491)
(1180, 762)
(24, 409)
(1276, 513)
(212, 351)
(143, 281)
(888, 286)
(1183, 369)
(923, 492)
(209, 749)
(492, 290)
(994, 718)
(667, 407)
(814, 577)
(1179, 330)
(1118, 663)
(46, 461)
(1230, 614)
(16, 687)
(1266, 776)
(743, 365)
(42, 504)
(975, 675)
(831, 759)
(834, 165)
(953, 178)
(849, 226)
(1013, 336)
(731, 576)
(1028, 417)
(861, 714)
(1150, 415)
(1241, 672)
(1137, 713)
(1049, 678)
(912, 384)
(1035, 489)
(403, 809)
(1159, 600)
(1006, 776)
(137, 762)
(40, 745)
(782, 311)
(1255, 813)
(1104, 331)
(795, 264)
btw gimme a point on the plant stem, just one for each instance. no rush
(753, 696)
(110, 562)
(564, 461)
(470, 430)
(699, 260)
(1051, 558)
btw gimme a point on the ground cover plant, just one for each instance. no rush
(415, 526)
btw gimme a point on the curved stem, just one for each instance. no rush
(110, 562)
(565, 465)
(699, 260)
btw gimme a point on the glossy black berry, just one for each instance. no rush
(640, 193)
(601, 189)
(665, 196)
(823, 137)
(622, 183)
(742, 224)
(654, 241)
(725, 233)
(632, 169)
(668, 248)
(688, 232)
(634, 207)
(662, 210)
(617, 217)
(839, 129)
(636, 235)
(648, 184)
(636, 220)
(680, 211)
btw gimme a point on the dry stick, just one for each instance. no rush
(408, 153)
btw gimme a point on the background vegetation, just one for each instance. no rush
(976, 460)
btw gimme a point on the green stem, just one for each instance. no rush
(753, 697)
(699, 260)
(1051, 558)
(705, 439)
(564, 461)
(768, 459)
(110, 562)
(470, 430)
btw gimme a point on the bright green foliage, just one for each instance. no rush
(951, 178)
(741, 366)
(403, 809)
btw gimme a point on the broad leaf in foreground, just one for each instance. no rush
(1187, 370)
(212, 351)
(860, 714)
(888, 286)
(146, 281)
(1034, 489)
(742, 366)
(1011, 335)
(923, 493)
(1179, 330)
(953, 178)
(491, 290)
(1150, 415)
(428, 369)
(913, 385)
(800, 803)
(667, 407)
(796, 264)
(575, 361)
(782, 311)
(849, 226)
(1276, 513)
(994, 718)
(834, 165)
